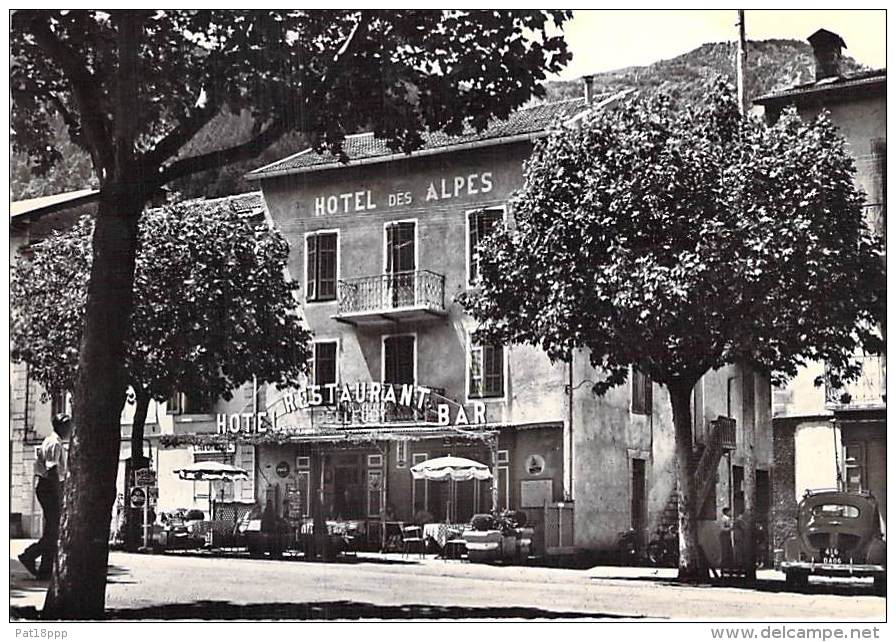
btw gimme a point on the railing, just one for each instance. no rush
(722, 437)
(869, 390)
(397, 290)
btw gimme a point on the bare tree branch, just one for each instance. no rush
(184, 131)
(219, 158)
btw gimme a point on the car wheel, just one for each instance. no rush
(880, 584)
(797, 579)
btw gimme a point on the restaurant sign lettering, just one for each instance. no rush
(351, 405)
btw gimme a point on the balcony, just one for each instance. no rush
(868, 391)
(401, 296)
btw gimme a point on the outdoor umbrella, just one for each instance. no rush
(452, 470)
(211, 471)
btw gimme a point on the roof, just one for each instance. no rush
(847, 85)
(248, 203)
(525, 124)
(36, 207)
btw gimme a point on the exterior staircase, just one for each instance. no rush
(704, 462)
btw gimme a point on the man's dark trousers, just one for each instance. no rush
(49, 495)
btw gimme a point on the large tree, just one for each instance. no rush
(134, 86)
(679, 241)
(212, 308)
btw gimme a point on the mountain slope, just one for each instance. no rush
(771, 65)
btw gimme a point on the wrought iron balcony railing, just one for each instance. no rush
(868, 391)
(393, 296)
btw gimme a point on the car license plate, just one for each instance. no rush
(831, 556)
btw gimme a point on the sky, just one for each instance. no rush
(603, 40)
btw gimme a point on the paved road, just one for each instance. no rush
(178, 586)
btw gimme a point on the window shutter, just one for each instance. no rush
(311, 268)
(246, 460)
(476, 372)
(326, 266)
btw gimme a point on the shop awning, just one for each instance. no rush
(368, 434)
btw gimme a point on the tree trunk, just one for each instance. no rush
(748, 416)
(78, 586)
(132, 528)
(689, 566)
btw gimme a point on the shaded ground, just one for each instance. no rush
(341, 610)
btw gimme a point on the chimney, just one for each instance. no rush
(826, 46)
(587, 82)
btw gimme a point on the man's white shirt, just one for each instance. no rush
(51, 454)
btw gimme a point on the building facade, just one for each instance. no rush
(382, 247)
(829, 437)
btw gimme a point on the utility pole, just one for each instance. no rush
(741, 63)
(748, 381)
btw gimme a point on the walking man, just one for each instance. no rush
(50, 470)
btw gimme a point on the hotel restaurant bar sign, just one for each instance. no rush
(351, 406)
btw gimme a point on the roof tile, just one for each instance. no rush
(365, 146)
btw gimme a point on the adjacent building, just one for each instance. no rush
(829, 437)
(33, 221)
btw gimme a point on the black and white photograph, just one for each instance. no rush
(441, 316)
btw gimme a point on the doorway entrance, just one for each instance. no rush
(348, 493)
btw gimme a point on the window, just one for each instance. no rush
(246, 457)
(480, 224)
(486, 371)
(320, 267)
(174, 405)
(854, 466)
(399, 359)
(401, 247)
(835, 510)
(189, 403)
(58, 403)
(400, 264)
(503, 479)
(197, 403)
(642, 393)
(323, 364)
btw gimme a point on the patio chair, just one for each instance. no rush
(412, 541)
(455, 545)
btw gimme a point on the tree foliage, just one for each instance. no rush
(135, 87)
(213, 307)
(326, 72)
(677, 242)
(683, 241)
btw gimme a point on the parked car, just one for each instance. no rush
(177, 529)
(258, 542)
(499, 538)
(838, 534)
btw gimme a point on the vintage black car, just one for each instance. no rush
(838, 534)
